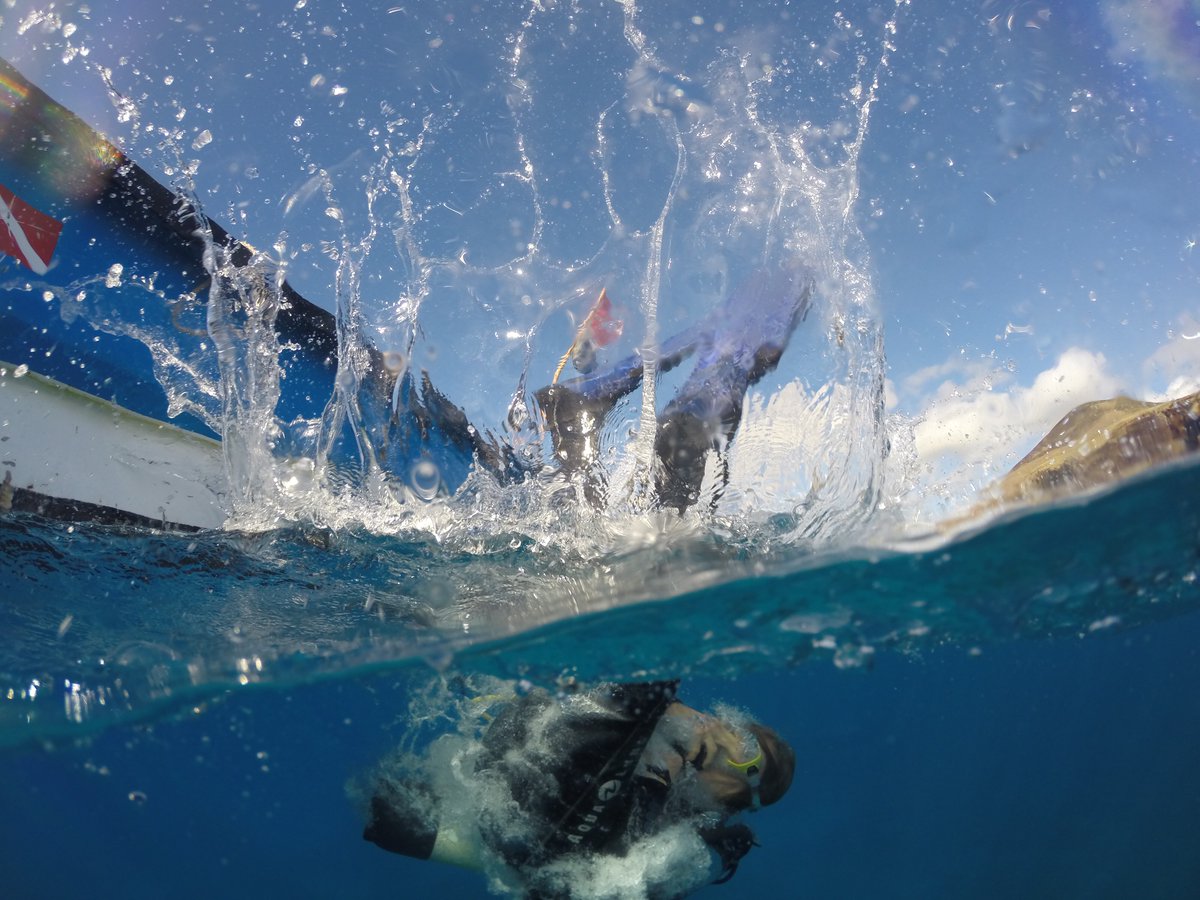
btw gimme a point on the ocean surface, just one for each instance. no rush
(1010, 712)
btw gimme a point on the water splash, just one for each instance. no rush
(243, 305)
(660, 163)
(704, 172)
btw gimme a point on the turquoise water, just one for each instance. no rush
(1011, 712)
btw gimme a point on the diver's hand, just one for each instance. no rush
(730, 843)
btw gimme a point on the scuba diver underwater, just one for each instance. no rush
(616, 791)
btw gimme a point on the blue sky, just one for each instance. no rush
(1028, 180)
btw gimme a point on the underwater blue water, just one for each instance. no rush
(1046, 748)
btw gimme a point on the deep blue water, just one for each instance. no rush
(1039, 769)
(1052, 759)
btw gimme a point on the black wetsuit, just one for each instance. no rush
(579, 785)
(575, 776)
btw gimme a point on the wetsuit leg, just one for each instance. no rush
(401, 820)
(749, 333)
(736, 345)
(575, 410)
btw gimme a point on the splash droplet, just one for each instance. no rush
(425, 479)
(395, 362)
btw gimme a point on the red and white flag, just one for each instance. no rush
(27, 234)
(599, 329)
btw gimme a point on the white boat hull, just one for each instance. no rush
(70, 447)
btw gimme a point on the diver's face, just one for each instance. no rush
(715, 744)
(726, 759)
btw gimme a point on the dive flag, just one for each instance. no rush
(26, 233)
(599, 329)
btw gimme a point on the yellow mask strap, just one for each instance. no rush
(745, 766)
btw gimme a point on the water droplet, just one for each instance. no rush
(395, 362)
(203, 139)
(21, 371)
(425, 479)
(113, 278)
(334, 213)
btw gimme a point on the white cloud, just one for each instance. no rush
(1174, 368)
(1162, 35)
(955, 375)
(980, 427)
